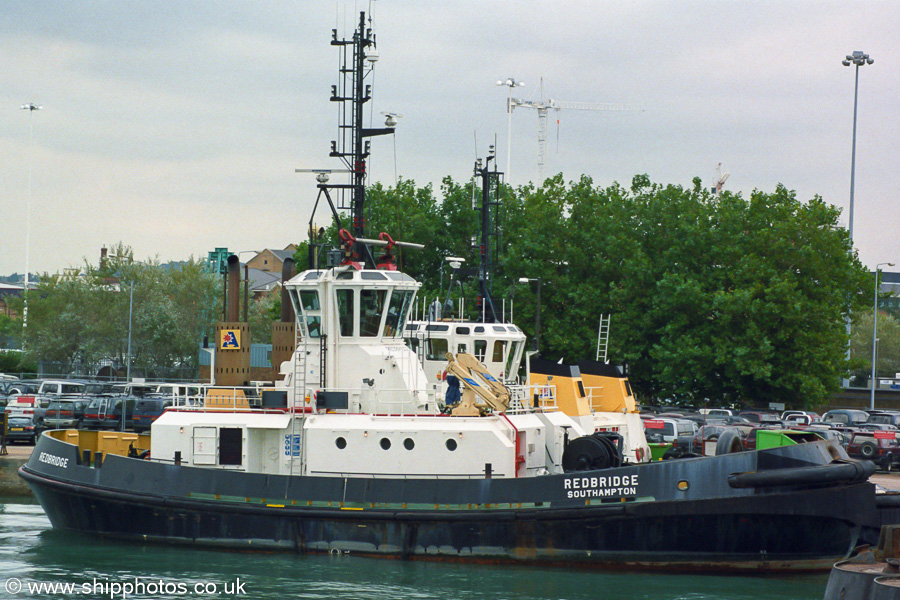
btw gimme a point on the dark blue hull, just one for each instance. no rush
(653, 524)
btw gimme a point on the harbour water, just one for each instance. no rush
(33, 554)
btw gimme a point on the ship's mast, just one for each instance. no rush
(490, 200)
(352, 93)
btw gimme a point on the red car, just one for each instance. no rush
(881, 447)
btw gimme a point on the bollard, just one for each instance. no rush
(86, 458)
(98, 459)
(178, 457)
(488, 470)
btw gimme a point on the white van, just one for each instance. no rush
(667, 430)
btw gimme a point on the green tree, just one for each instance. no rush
(84, 316)
(730, 299)
(888, 356)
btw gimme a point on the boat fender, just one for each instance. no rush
(821, 474)
(729, 443)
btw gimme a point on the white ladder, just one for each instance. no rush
(298, 383)
(603, 338)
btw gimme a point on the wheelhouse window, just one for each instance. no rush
(345, 311)
(480, 349)
(510, 358)
(499, 348)
(397, 312)
(437, 349)
(309, 302)
(371, 308)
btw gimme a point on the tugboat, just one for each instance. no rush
(358, 451)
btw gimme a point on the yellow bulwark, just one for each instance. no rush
(566, 380)
(122, 443)
(225, 399)
(608, 389)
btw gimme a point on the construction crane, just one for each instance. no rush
(543, 106)
(720, 180)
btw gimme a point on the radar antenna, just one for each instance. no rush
(358, 60)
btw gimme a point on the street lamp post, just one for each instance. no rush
(509, 83)
(537, 316)
(859, 59)
(30, 107)
(875, 331)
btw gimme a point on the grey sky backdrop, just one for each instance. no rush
(176, 127)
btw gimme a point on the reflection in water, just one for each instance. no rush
(33, 552)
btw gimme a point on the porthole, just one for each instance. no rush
(409, 444)
(341, 443)
(385, 444)
(451, 444)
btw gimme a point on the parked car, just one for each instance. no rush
(105, 412)
(23, 428)
(65, 412)
(147, 410)
(25, 386)
(761, 418)
(667, 430)
(26, 405)
(54, 387)
(813, 417)
(720, 412)
(885, 418)
(881, 447)
(845, 416)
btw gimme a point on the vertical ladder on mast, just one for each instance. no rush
(298, 383)
(603, 338)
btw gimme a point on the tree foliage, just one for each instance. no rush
(84, 316)
(727, 298)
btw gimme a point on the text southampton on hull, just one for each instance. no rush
(359, 56)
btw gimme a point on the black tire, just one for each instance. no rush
(729, 443)
(868, 449)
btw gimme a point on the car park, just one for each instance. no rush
(23, 428)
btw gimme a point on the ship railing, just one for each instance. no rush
(529, 398)
(388, 402)
(226, 398)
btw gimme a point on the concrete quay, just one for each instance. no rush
(10, 483)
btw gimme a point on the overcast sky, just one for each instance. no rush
(175, 127)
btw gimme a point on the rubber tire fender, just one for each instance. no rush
(729, 443)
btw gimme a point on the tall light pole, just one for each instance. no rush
(30, 107)
(875, 331)
(859, 59)
(537, 317)
(509, 83)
